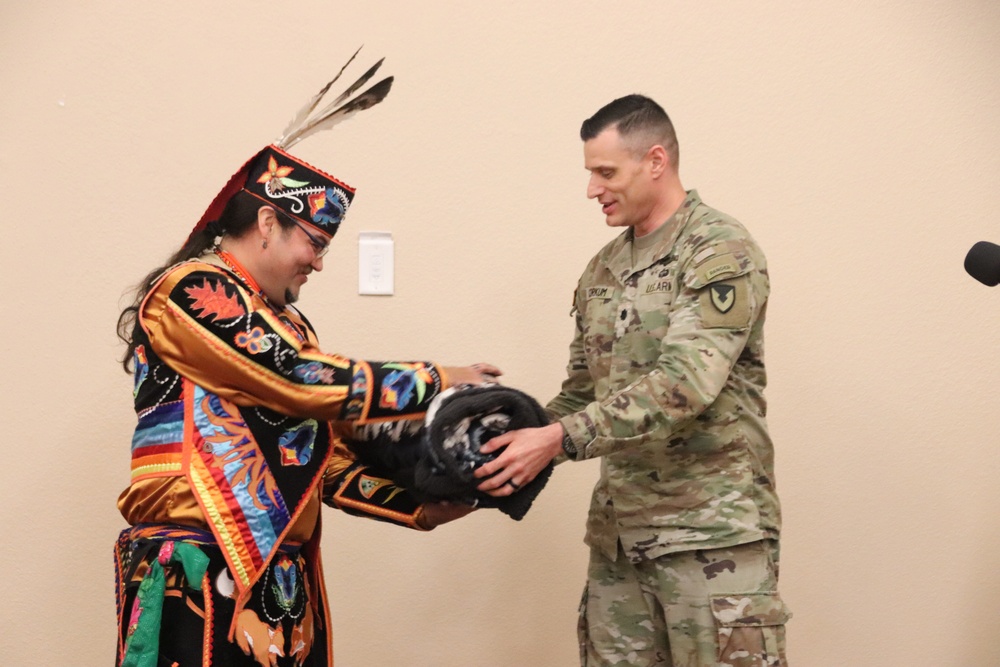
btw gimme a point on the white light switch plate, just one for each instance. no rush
(375, 263)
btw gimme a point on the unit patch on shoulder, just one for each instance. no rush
(723, 297)
(727, 304)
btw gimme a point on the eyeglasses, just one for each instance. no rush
(319, 247)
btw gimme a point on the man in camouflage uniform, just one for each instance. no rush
(665, 383)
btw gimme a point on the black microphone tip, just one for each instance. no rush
(983, 263)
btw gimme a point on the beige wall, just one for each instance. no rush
(858, 140)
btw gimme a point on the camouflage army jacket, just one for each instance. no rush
(665, 383)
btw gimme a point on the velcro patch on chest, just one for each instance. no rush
(656, 287)
(599, 292)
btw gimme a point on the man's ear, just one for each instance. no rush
(267, 219)
(659, 161)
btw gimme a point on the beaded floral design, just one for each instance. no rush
(326, 208)
(254, 341)
(314, 373)
(402, 383)
(327, 205)
(296, 445)
(212, 300)
(276, 178)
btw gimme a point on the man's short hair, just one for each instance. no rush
(641, 122)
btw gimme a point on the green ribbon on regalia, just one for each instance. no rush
(142, 647)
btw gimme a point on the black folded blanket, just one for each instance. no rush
(435, 458)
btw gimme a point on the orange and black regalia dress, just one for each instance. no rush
(236, 447)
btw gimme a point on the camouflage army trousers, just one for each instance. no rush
(690, 609)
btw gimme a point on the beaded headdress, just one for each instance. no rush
(307, 194)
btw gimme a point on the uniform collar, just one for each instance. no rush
(620, 264)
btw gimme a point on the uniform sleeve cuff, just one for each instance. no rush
(576, 436)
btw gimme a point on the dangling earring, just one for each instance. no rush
(264, 245)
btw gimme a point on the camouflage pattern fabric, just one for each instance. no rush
(692, 609)
(665, 383)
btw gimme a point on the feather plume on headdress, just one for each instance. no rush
(305, 124)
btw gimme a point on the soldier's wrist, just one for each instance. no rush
(568, 446)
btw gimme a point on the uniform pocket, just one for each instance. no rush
(751, 629)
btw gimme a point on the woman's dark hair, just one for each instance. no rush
(236, 220)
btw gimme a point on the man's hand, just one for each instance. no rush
(435, 514)
(474, 374)
(528, 451)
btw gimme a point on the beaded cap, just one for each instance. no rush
(309, 195)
